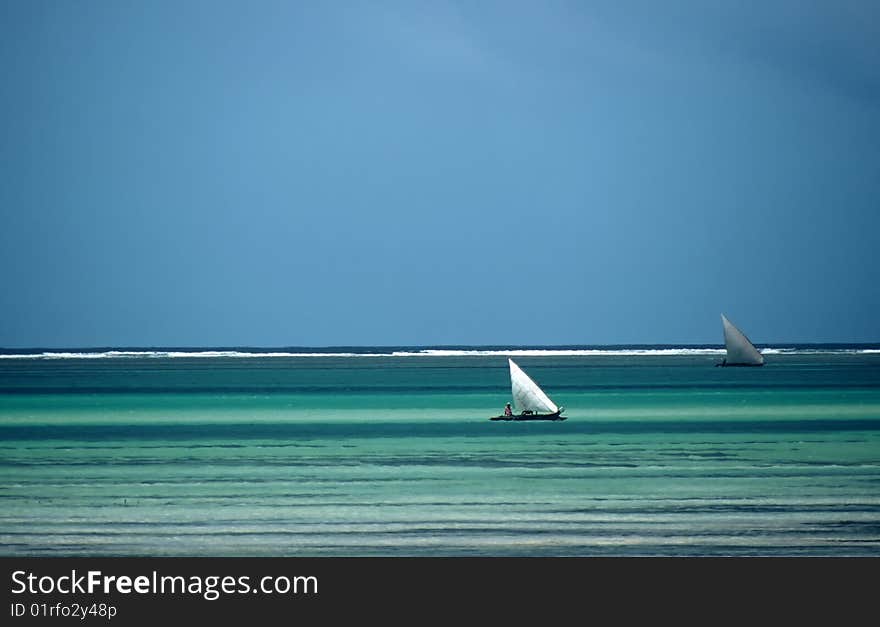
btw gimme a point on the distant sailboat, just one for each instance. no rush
(529, 398)
(740, 351)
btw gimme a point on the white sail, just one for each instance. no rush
(527, 396)
(740, 351)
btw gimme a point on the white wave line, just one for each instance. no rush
(427, 352)
(563, 352)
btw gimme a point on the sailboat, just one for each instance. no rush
(529, 398)
(740, 351)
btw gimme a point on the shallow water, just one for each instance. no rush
(394, 455)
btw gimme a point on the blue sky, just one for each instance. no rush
(386, 173)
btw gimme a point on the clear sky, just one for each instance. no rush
(262, 173)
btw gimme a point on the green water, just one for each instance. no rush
(660, 455)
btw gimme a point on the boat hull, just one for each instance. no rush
(519, 417)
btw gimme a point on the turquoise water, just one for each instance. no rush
(222, 454)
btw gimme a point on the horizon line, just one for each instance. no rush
(491, 346)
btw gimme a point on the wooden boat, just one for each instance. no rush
(530, 400)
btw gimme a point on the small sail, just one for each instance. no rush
(740, 351)
(527, 395)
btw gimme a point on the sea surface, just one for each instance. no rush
(390, 452)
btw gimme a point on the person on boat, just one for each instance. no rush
(507, 410)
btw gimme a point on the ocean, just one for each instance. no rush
(390, 452)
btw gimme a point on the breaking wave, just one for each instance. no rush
(249, 353)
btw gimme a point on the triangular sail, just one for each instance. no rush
(739, 349)
(527, 396)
